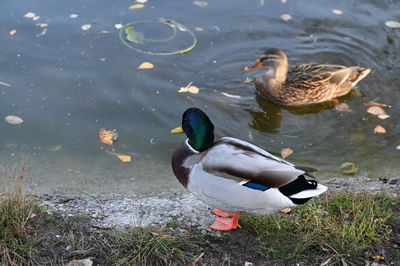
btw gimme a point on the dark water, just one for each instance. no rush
(66, 92)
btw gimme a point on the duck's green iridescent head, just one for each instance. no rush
(198, 128)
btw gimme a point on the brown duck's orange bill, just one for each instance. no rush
(177, 130)
(256, 65)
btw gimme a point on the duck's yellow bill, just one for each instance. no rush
(177, 130)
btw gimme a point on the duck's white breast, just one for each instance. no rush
(230, 195)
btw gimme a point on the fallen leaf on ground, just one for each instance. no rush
(379, 129)
(343, 107)
(348, 168)
(378, 257)
(73, 15)
(286, 210)
(392, 24)
(13, 120)
(230, 95)
(86, 27)
(12, 32)
(84, 262)
(108, 136)
(30, 15)
(337, 11)
(286, 17)
(118, 26)
(189, 88)
(285, 152)
(369, 104)
(136, 6)
(124, 158)
(145, 65)
(200, 3)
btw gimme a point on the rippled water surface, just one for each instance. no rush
(66, 84)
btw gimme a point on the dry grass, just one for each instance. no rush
(16, 209)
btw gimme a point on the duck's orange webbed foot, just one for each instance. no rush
(226, 221)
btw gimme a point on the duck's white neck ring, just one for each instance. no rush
(190, 147)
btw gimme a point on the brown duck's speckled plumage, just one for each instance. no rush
(306, 83)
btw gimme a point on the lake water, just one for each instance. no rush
(67, 83)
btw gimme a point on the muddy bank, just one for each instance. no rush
(112, 210)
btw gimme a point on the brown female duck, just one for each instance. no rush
(303, 84)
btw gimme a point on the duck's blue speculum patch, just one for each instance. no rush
(255, 186)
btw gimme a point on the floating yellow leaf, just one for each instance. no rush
(369, 104)
(379, 129)
(285, 152)
(200, 3)
(12, 32)
(348, 168)
(286, 17)
(136, 6)
(343, 107)
(337, 11)
(145, 65)
(30, 15)
(108, 136)
(189, 88)
(36, 18)
(124, 158)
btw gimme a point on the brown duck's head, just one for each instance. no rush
(271, 58)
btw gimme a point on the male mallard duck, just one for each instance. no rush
(303, 84)
(234, 176)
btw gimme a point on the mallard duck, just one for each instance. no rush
(302, 84)
(234, 176)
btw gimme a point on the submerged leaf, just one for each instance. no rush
(379, 129)
(86, 27)
(286, 152)
(286, 17)
(348, 168)
(392, 24)
(343, 107)
(200, 3)
(134, 36)
(145, 65)
(13, 120)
